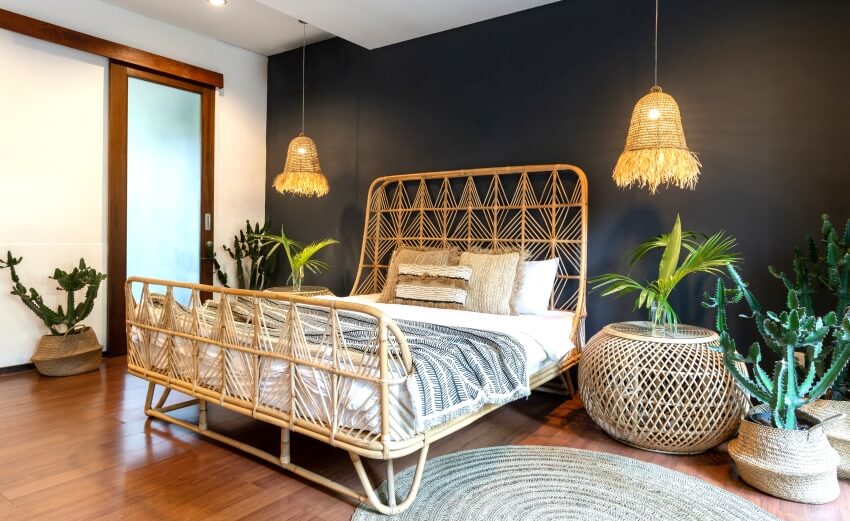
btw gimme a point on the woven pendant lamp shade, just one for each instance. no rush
(656, 152)
(302, 174)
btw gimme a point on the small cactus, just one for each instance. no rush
(62, 320)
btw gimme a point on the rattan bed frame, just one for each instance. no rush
(541, 208)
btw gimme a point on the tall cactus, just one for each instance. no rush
(826, 268)
(261, 261)
(789, 387)
(61, 321)
(219, 272)
(837, 259)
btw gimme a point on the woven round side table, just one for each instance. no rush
(667, 392)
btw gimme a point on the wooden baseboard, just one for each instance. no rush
(16, 369)
(12, 369)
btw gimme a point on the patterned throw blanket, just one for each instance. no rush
(456, 369)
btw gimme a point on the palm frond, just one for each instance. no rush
(303, 258)
(614, 283)
(689, 242)
(670, 257)
(705, 254)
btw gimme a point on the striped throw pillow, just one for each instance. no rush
(432, 285)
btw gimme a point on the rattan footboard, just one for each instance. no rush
(227, 358)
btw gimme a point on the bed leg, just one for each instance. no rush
(390, 483)
(284, 446)
(202, 415)
(149, 397)
(165, 393)
(391, 507)
(568, 382)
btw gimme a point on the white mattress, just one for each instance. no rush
(546, 339)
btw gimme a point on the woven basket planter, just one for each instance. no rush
(667, 394)
(797, 465)
(66, 355)
(838, 431)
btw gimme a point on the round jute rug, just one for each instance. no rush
(558, 483)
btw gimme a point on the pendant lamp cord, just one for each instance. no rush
(656, 42)
(304, 73)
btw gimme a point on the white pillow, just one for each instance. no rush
(535, 287)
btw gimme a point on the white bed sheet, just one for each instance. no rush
(546, 339)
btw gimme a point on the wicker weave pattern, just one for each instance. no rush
(838, 431)
(798, 465)
(67, 355)
(257, 356)
(302, 174)
(660, 394)
(263, 366)
(656, 152)
(659, 129)
(541, 209)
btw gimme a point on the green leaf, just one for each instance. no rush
(670, 257)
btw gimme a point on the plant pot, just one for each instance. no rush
(838, 431)
(798, 465)
(66, 355)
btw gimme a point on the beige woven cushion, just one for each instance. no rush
(432, 286)
(407, 255)
(493, 281)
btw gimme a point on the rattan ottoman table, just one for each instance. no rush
(664, 391)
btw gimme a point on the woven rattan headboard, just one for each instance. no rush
(540, 208)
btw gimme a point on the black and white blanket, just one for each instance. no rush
(456, 369)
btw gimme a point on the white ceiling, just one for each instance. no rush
(244, 23)
(376, 23)
(271, 26)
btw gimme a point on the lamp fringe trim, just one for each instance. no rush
(308, 184)
(652, 167)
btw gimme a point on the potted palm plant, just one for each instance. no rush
(707, 255)
(299, 255)
(70, 348)
(781, 449)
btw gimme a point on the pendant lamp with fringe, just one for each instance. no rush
(656, 152)
(302, 174)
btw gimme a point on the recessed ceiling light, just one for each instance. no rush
(217, 3)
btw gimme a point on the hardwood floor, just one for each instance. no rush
(80, 448)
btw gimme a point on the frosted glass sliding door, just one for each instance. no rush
(160, 189)
(163, 182)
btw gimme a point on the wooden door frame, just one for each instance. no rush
(119, 74)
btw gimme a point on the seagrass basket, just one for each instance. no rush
(797, 465)
(67, 355)
(837, 431)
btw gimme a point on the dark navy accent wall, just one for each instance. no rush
(763, 86)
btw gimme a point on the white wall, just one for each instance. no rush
(53, 147)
